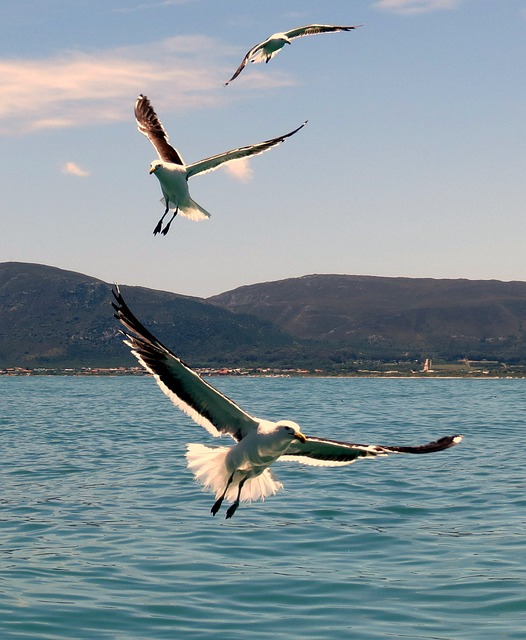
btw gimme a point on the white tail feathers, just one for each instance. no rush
(208, 465)
(189, 209)
(194, 211)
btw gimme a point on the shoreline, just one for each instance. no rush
(212, 372)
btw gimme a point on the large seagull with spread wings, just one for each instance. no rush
(241, 472)
(173, 173)
(266, 50)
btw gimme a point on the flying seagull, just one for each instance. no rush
(240, 472)
(266, 50)
(173, 173)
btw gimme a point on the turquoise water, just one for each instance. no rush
(104, 533)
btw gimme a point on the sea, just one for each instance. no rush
(104, 533)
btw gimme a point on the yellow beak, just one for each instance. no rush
(300, 436)
(152, 169)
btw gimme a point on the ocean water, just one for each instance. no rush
(105, 534)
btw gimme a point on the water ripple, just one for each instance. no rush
(106, 535)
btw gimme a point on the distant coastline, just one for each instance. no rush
(444, 372)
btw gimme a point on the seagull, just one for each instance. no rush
(173, 173)
(240, 472)
(266, 50)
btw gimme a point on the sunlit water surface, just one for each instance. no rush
(105, 534)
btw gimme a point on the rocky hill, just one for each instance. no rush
(55, 318)
(50, 317)
(375, 315)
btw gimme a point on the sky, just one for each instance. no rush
(412, 162)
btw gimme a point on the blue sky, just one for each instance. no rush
(412, 163)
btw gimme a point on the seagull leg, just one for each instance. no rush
(167, 228)
(219, 501)
(232, 508)
(160, 223)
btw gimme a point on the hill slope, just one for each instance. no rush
(55, 318)
(393, 316)
(50, 317)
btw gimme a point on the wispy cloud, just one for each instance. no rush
(416, 6)
(79, 88)
(240, 170)
(74, 170)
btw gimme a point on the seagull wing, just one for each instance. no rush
(331, 453)
(243, 64)
(185, 388)
(209, 164)
(149, 125)
(313, 29)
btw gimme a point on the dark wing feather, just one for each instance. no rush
(321, 452)
(185, 388)
(149, 125)
(243, 64)
(313, 29)
(209, 164)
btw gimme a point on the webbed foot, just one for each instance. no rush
(166, 229)
(232, 509)
(217, 506)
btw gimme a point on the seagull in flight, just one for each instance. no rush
(241, 472)
(173, 173)
(266, 50)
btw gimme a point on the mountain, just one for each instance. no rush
(50, 317)
(55, 318)
(393, 316)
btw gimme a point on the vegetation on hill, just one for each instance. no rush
(394, 317)
(55, 318)
(50, 317)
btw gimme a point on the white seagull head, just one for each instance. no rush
(281, 37)
(156, 164)
(290, 429)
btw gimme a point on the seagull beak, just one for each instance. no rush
(152, 169)
(300, 436)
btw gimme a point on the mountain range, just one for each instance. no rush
(50, 317)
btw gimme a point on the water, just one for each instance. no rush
(104, 533)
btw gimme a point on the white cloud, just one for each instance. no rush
(416, 6)
(74, 170)
(240, 170)
(78, 89)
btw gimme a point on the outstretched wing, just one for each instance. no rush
(149, 125)
(313, 29)
(247, 57)
(185, 388)
(331, 453)
(209, 164)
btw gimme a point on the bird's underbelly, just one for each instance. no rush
(251, 461)
(175, 188)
